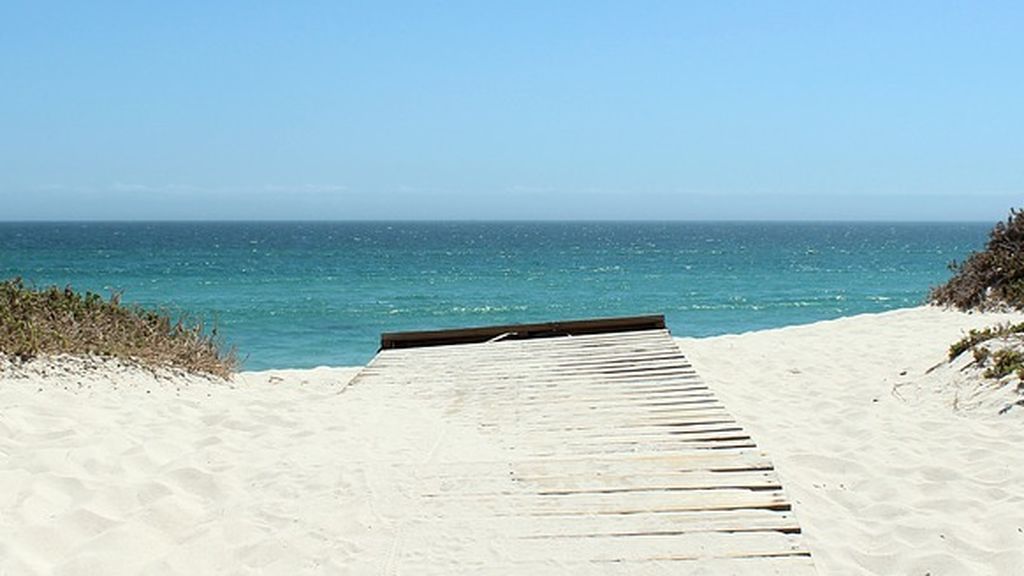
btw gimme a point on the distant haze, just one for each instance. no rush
(530, 110)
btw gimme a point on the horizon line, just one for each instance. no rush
(493, 221)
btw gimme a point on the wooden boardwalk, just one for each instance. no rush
(610, 457)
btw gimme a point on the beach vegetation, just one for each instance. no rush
(1005, 361)
(975, 337)
(992, 278)
(50, 321)
(981, 354)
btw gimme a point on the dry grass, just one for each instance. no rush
(61, 321)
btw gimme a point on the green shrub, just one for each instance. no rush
(1005, 361)
(61, 321)
(975, 337)
(991, 278)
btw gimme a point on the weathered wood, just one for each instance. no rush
(617, 458)
(788, 565)
(648, 546)
(666, 524)
(394, 340)
(639, 463)
(598, 341)
(608, 483)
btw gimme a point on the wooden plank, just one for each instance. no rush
(607, 483)
(484, 353)
(598, 341)
(571, 357)
(589, 402)
(617, 502)
(395, 340)
(719, 424)
(779, 565)
(665, 523)
(554, 373)
(598, 549)
(484, 385)
(639, 463)
(557, 450)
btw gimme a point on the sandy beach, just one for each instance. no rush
(887, 477)
(896, 463)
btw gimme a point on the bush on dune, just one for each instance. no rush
(975, 337)
(61, 321)
(992, 278)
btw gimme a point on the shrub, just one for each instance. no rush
(975, 337)
(61, 321)
(992, 278)
(1004, 362)
(981, 355)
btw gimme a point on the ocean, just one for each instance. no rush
(303, 294)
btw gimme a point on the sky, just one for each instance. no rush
(720, 110)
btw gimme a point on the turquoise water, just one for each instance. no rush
(307, 294)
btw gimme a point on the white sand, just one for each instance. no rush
(887, 478)
(119, 471)
(160, 476)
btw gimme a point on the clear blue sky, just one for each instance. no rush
(664, 110)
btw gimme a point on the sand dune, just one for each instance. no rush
(157, 478)
(112, 470)
(888, 477)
